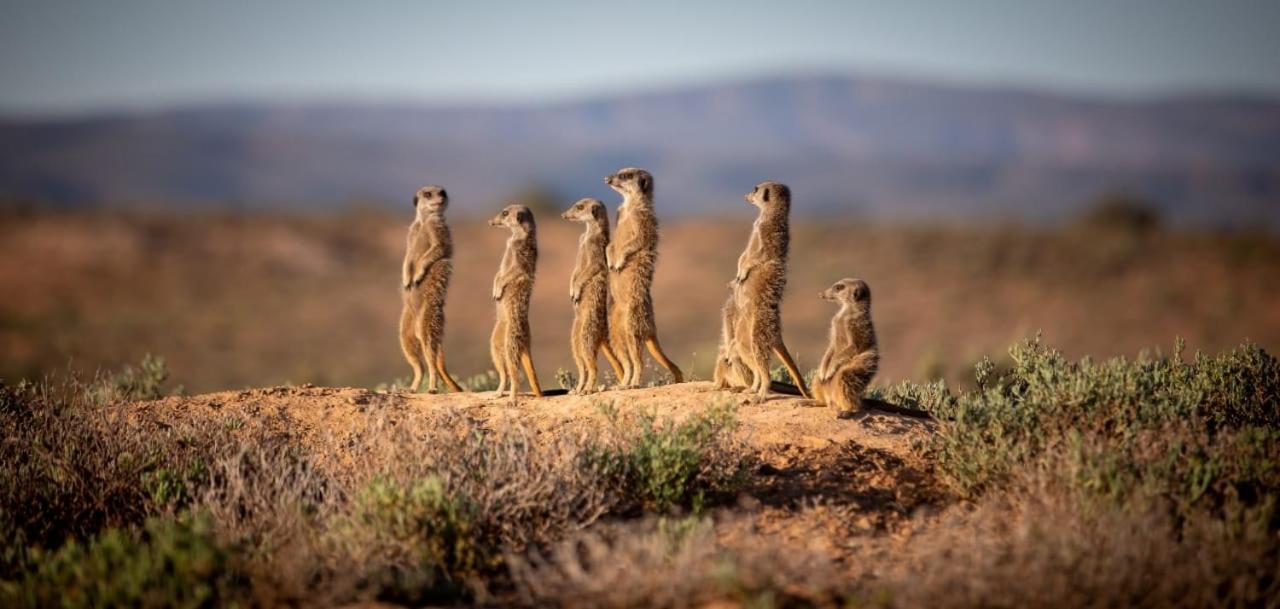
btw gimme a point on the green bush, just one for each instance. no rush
(664, 464)
(172, 563)
(146, 382)
(431, 531)
(1195, 432)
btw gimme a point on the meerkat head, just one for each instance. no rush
(430, 200)
(848, 292)
(770, 195)
(631, 183)
(514, 216)
(586, 210)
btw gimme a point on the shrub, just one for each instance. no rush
(70, 466)
(1046, 545)
(664, 464)
(426, 536)
(146, 382)
(1197, 431)
(676, 563)
(173, 563)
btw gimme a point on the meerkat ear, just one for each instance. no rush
(646, 183)
(414, 201)
(524, 215)
(598, 212)
(766, 194)
(444, 194)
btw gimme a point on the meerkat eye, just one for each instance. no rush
(504, 213)
(839, 287)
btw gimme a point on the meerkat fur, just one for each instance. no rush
(512, 287)
(632, 256)
(424, 281)
(760, 281)
(589, 293)
(853, 355)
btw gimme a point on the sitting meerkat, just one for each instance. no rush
(853, 355)
(512, 287)
(632, 257)
(760, 282)
(424, 280)
(589, 292)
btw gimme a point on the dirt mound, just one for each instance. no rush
(782, 428)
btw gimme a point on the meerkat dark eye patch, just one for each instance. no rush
(839, 286)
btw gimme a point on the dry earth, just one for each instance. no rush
(854, 489)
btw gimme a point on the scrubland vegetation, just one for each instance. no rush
(1150, 482)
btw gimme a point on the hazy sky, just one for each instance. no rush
(60, 56)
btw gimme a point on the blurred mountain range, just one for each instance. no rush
(864, 146)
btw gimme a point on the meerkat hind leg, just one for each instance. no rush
(590, 367)
(613, 359)
(412, 349)
(497, 346)
(632, 365)
(433, 375)
(656, 351)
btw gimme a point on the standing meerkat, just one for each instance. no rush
(512, 287)
(589, 292)
(760, 282)
(424, 280)
(632, 256)
(853, 355)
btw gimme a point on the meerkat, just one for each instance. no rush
(730, 373)
(589, 293)
(424, 280)
(852, 355)
(510, 343)
(632, 256)
(760, 282)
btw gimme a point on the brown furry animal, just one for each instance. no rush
(424, 280)
(632, 256)
(589, 292)
(756, 329)
(853, 355)
(512, 287)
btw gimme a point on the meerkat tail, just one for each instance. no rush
(444, 372)
(656, 350)
(527, 360)
(613, 358)
(781, 351)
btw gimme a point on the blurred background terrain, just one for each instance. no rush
(230, 188)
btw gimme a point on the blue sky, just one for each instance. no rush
(58, 56)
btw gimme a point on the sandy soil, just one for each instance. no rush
(856, 489)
